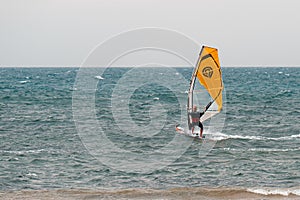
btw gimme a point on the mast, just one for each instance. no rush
(192, 84)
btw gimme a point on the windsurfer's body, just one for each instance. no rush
(195, 120)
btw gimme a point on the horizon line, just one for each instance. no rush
(132, 66)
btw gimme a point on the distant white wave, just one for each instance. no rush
(276, 191)
(99, 77)
(31, 151)
(73, 89)
(295, 136)
(291, 137)
(22, 82)
(32, 175)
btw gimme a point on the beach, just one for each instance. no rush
(175, 193)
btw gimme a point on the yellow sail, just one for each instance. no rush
(209, 74)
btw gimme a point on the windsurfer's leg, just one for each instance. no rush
(201, 129)
(190, 126)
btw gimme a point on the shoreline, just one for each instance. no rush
(140, 193)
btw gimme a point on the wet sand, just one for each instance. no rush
(141, 194)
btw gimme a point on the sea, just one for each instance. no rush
(69, 133)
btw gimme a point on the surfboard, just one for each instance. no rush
(188, 133)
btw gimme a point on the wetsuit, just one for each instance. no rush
(196, 119)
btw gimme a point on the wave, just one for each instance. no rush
(23, 82)
(23, 152)
(221, 136)
(291, 137)
(173, 193)
(276, 191)
(262, 149)
(99, 77)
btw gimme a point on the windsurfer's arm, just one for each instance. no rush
(201, 114)
(207, 107)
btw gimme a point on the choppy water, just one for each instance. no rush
(258, 148)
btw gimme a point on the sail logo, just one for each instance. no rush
(207, 72)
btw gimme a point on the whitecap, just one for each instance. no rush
(295, 136)
(260, 150)
(271, 150)
(99, 77)
(277, 191)
(291, 137)
(156, 98)
(22, 82)
(32, 174)
(23, 152)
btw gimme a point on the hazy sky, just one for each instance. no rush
(63, 32)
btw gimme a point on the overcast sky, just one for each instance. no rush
(63, 32)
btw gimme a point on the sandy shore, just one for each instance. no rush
(176, 193)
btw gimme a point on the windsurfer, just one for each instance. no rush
(195, 116)
(208, 72)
